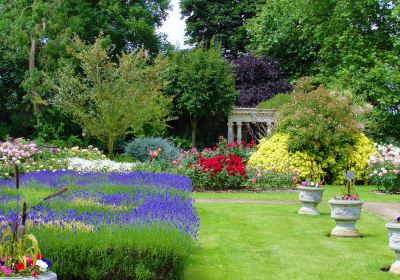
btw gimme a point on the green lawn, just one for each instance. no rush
(366, 193)
(250, 242)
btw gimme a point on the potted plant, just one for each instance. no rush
(394, 243)
(310, 193)
(346, 209)
(20, 256)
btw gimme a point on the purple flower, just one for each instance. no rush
(398, 219)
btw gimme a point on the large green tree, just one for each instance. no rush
(346, 44)
(111, 99)
(223, 20)
(35, 34)
(203, 85)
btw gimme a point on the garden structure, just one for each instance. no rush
(240, 116)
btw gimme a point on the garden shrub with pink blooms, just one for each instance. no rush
(31, 156)
(384, 167)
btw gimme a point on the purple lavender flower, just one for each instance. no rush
(398, 219)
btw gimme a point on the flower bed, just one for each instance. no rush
(384, 167)
(109, 226)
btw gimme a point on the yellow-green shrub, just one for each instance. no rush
(272, 154)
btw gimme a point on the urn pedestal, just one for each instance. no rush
(310, 197)
(394, 244)
(345, 213)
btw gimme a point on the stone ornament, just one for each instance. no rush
(345, 213)
(394, 244)
(310, 197)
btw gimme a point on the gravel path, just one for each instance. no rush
(387, 210)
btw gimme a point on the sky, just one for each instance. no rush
(174, 26)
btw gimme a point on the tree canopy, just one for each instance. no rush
(223, 20)
(35, 34)
(203, 85)
(352, 45)
(109, 100)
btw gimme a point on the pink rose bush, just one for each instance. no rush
(384, 168)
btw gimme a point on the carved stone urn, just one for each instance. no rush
(394, 244)
(345, 213)
(310, 197)
(45, 276)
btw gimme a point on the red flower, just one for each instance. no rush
(20, 266)
(35, 273)
(346, 198)
(39, 256)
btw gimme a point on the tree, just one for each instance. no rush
(258, 80)
(224, 20)
(203, 85)
(35, 34)
(110, 99)
(346, 44)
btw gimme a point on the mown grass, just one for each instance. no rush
(243, 241)
(366, 193)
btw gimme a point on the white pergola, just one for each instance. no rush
(239, 116)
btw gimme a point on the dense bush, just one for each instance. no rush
(273, 155)
(384, 167)
(317, 121)
(140, 148)
(258, 80)
(275, 102)
(146, 254)
(221, 167)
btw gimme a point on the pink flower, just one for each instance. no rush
(253, 180)
(6, 271)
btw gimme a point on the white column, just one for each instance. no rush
(230, 132)
(239, 132)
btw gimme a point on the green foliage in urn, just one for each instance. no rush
(108, 99)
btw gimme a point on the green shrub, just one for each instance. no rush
(275, 102)
(140, 147)
(317, 121)
(115, 253)
(272, 155)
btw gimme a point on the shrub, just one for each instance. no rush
(258, 80)
(275, 102)
(273, 155)
(140, 147)
(384, 167)
(317, 121)
(220, 167)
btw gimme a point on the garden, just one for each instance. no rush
(114, 162)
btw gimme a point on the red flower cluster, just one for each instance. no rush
(232, 164)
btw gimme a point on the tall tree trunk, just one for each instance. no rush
(194, 130)
(110, 148)
(32, 54)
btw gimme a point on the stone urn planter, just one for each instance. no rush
(345, 213)
(310, 197)
(45, 276)
(394, 244)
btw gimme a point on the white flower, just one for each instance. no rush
(42, 265)
(105, 165)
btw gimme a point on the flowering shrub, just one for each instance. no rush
(273, 154)
(222, 166)
(32, 157)
(219, 172)
(103, 165)
(384, 167)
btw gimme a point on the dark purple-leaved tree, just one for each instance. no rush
(258, 80)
